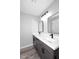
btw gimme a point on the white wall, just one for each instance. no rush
(26, 29)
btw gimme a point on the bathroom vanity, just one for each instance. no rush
(47, 49)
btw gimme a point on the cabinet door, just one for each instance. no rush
(35, 43)
(47, 54)
(39, 46)
(57, 53)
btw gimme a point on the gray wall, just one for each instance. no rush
(26, 29)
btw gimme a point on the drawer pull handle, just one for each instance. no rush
(43, 50)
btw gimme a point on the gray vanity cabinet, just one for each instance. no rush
(43, 50)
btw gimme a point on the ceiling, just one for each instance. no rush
(34, 7)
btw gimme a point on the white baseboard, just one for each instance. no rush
(26, 46)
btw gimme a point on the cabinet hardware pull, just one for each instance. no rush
(43, 50)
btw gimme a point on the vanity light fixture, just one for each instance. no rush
(46, 16)
(44, 13)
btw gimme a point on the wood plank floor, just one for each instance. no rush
(29, 53)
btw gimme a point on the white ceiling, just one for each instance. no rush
(34, 7)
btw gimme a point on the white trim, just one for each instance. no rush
(26, 46)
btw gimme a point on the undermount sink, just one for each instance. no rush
(47, 37)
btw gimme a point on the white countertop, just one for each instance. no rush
(45, 38)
